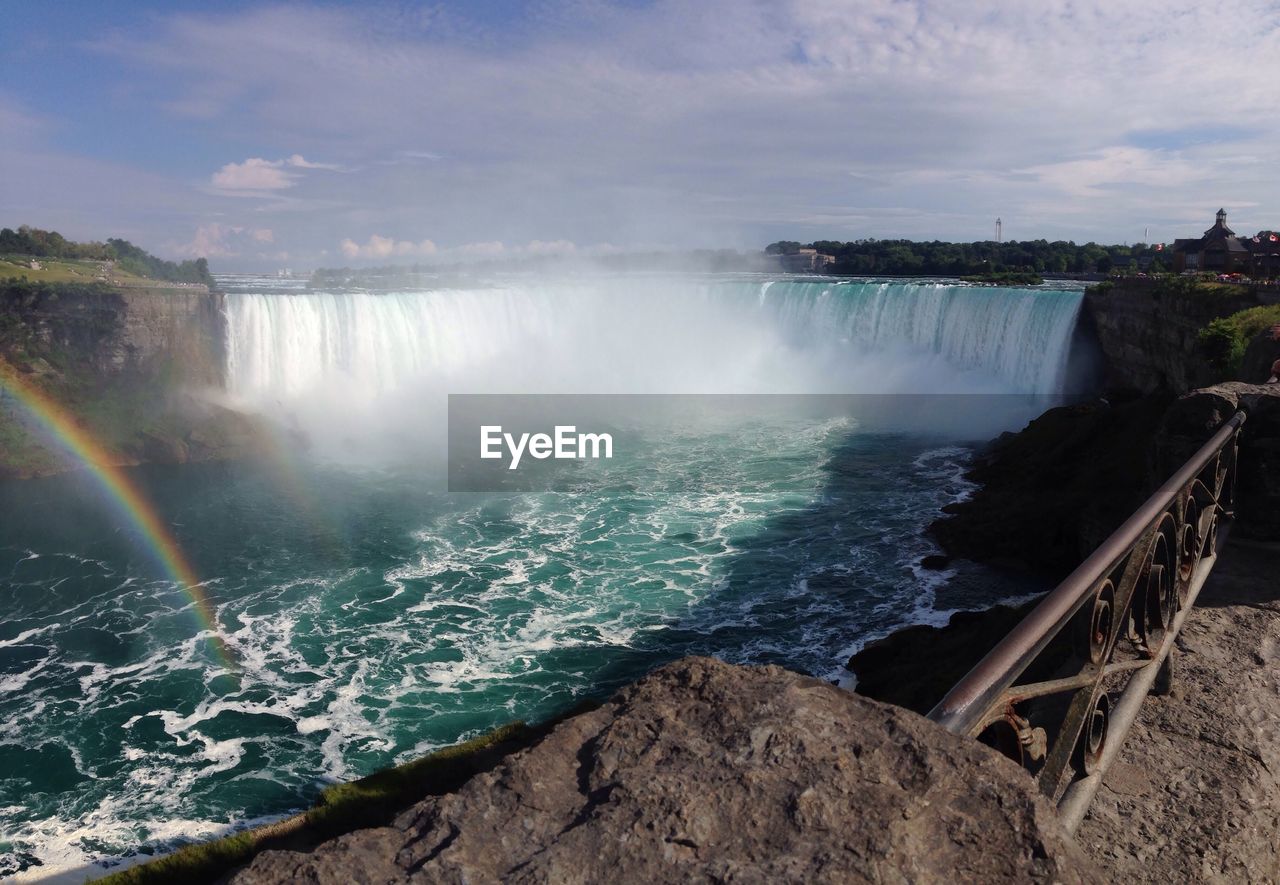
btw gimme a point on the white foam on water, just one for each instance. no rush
(483, 601)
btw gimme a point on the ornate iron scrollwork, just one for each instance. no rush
(1128, 600)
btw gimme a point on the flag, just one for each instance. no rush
(1273, 238)
(1159, 247)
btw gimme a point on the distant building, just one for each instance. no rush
(1265, 248)
(805, 261)
(1221, 251)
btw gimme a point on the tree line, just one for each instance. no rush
(33, 241)
(936, 258)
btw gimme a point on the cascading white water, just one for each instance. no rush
(654, 336)
(1021, 336)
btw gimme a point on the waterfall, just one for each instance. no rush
(654, 335)
(1022, 336)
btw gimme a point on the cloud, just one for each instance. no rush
(223, 241)
(386, 247)
(483, 249)
(1118, 166)
(555, 247)
(256, 175)
(379, 247)
(723, 123)
(18, 124)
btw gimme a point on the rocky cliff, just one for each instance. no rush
(111, 332)
(132, 365)
(1041, 508)
(1149, 331)
(1052, 492)
(707, 772)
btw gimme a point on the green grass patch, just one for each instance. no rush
(369, 802)
(69, 270)
(1224, 340)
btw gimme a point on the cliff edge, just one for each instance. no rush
(1149, 331)
(704, 771)
(131, 366)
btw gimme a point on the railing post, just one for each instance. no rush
(1164, 684)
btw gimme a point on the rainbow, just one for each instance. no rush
(58, 424)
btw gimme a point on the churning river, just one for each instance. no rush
(374, 616)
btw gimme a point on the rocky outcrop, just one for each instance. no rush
(132, 365)
(1259, 357)
(916, 666)
(709, 772)
(1191, 420)
(1053, 491)
(1149, 332)
(1043, 488)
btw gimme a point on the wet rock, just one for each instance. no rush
(935, 562)
(915, 666)
(709, 772)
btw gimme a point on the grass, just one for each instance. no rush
(1225, 340)
(1207, 290)
(72, 270)
(369, 802)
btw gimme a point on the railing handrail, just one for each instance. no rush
(965, 705)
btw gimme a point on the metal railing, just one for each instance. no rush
(1105, 634)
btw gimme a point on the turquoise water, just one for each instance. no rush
(376, 617)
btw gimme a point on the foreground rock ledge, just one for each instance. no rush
(705, 771)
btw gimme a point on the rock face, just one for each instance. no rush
(1053, 491)
(175, 331)
(1259, 356)
(916, 666)
(1150, 336)
(132, 365)
(708, 772)
(178, 329)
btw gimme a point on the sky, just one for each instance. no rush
(265, 135)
